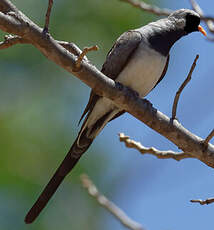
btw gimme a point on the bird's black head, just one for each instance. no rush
(187, 20)
(192, 22)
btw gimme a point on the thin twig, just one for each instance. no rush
(203, 202)
(159, 154)
(47, 16)
(158, 11)
(108, 205)
(209, 137)
(198, 9)
(10, 40)
(82, 55)
(149, 8)
(178, 93)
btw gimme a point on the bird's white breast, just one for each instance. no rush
(141, 74)
(143, 70)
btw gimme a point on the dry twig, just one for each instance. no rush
(82, 55)
(178, 93)
(149, 8)
(10, 40)
(159, 154)
(209, 137)
(203, 202)
(47, 16)
(109, 205)
(165, 12)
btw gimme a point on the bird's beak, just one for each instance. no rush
(201, 29)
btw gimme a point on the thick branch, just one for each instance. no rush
(158, 153)
(109, 205)
(11, 40)
(71, 47)
(7, 6)
(104, 86)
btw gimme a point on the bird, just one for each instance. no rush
(139, 60)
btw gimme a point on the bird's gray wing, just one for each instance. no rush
(116, 59)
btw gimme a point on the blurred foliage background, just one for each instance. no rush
(40, 105)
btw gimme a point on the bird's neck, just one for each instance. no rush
(163, 34)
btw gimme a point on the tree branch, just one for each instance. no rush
(209, 137)
(155, 152)
(203, 202)
(165, 12)
(109, 205)
(47, 16)
(72, 48)
(149, 8)
(122, 96)
(10, 40)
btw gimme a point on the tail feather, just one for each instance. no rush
(89, 130)
(66, 166)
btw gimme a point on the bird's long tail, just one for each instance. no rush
(88, 132)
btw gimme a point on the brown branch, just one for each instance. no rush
(7, 6)
(209, 137)
(109, 205)
(203, 202)
(122, 96)
(165, 12)
(47, 16)
(158, 11)
(155, 152)
(149, 8)
(10, 40)
(178, 93)
(82, 55)
(72, 48)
